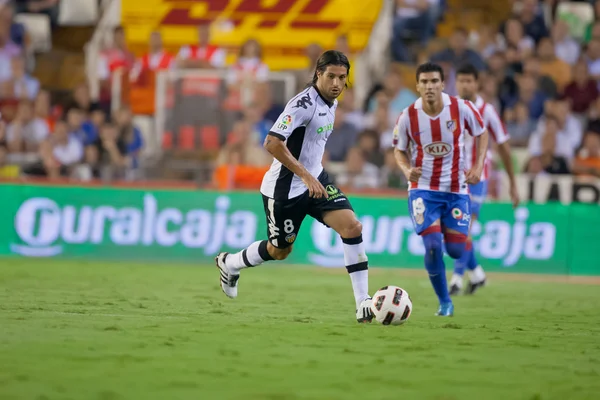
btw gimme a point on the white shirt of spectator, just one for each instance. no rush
(410, 10)
(567, 139)
(217, 59)
(567, 50)
(305, 124)
(32, 86)
(35, 132)
(367, 179)
(437, 144)
(253, 67)
(69, 153)
(496, 129)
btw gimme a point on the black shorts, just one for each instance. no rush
(284, 217)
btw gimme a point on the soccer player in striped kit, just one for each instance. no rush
(466, 86)
(429, 148)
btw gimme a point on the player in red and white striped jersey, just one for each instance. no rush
(433, 131)
(466, 86)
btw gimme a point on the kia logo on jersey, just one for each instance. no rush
(438, 149)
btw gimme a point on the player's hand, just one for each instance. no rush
(315, 188)
(514, 195)
(415, 174)
(473, 176)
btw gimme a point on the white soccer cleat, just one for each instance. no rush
(227, 280)
(364, 313)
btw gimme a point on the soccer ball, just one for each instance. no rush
(391, 305)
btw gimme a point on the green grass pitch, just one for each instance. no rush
(112, 331)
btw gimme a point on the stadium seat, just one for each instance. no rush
(37, 27)
(78, 13)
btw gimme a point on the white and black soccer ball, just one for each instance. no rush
(391, 305)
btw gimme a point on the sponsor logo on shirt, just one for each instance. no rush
(438, 149)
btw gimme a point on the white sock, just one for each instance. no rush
(456, 280)
(477, 275)
(357, 265)
(253, 255)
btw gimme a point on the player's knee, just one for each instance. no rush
(455, 244)
(352, 230)
(280, 254)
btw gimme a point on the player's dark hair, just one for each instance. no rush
(468, 69)
(430, 67)
(331, 57)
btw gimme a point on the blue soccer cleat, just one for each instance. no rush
(445, 310)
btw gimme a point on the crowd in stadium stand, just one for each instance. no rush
(541, 77)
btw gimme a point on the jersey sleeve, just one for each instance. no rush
(495, 126)
(473, 120)
(297, 113)
(401, 138)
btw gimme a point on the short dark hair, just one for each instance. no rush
(468, 69)
(330, 57)
(430, 67)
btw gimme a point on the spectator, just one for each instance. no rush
(243, 148)
(399, 96)
(458, 53)
(59, 154)
(21, 85)
(48, 7)
(130, 135)
(17, 31)
(41, 109)
(515, 37)
(533, 67)
(391, 176)
(592, 57)
(113, 59)
(368, 142)
(532, 20)
(342, 138)
(530, 95)
(485, 42)
(588, 158)
(550, 65)
(75, 119)
(157, 59)
(202, 55)
(547, 150)
(413, 19)
(8, 50)
(114, 153)
(519, 124)
(260, 125)
(83, 100)
(567, 122)
(353, 115)
(582, 92)
(304, 75)
(565, 47)
(245, 74)
(25, 133)
(359, 173)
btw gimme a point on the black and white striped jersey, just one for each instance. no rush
(305, 125)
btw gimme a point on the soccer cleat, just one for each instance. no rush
(456, 285)
(364, 313)
(473, 286)
(227, 280)
(445, 310)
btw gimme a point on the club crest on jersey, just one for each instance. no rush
(451, 125)
(437, 149)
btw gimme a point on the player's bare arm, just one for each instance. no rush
(482, 141)
(279, 150)
(411, 174)
(504, 151)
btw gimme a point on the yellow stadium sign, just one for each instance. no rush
(283, 27)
